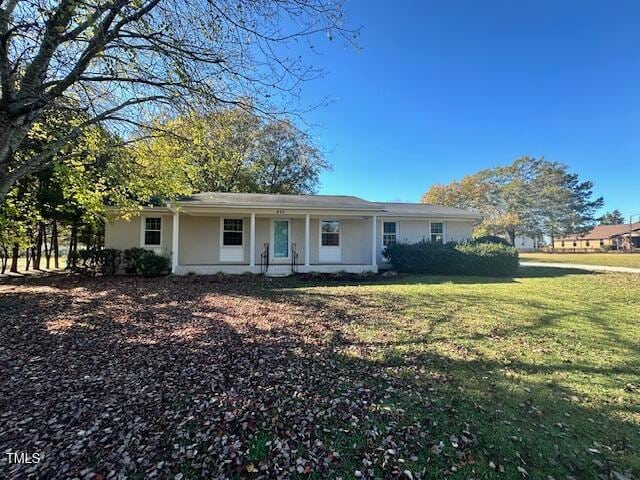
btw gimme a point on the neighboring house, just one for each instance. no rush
(236, 232)
(615, 237)
(522, 244)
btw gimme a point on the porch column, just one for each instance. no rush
(252, 242)
(374, 243)
(306, 240)
(174, 241)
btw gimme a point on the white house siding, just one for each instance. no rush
(458, 231)
(123, 234)
(199, 237)
(355, 238)
(413, 231)
(199, 240)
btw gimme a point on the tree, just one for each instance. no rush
(532, 197)
(69, 194)
(612, 218)
(501, 194)
(229, 151)
(120, 62)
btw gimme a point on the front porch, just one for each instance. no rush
(273, 243)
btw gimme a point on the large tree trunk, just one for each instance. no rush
(512, 237)
(12, 133)
(15, 254)
(54, 244)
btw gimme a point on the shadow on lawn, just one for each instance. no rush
(142, 365)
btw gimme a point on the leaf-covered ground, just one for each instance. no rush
(407, 377)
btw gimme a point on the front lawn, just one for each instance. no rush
(408, 377)
(610, 259)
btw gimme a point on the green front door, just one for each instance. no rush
(280, 238)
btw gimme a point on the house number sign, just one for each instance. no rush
(279, 212)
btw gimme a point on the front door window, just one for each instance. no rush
(281, 238)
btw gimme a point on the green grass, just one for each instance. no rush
(610, 259)
(542, 371)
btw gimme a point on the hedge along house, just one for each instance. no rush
(280, 234)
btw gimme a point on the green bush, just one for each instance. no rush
(488, 259)
(98, 260)
(131, 258)
(140, 261)
(492, 239)
(469, 258)
(151, 264)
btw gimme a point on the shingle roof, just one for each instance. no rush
(605, 231)
(340, 202)
(427, 209)
(279, 200)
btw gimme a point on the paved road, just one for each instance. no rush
(580, 266)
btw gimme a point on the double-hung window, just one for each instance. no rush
(437, 232)
(330, 233)
(389, 233)
(152, 231)
(232, 232)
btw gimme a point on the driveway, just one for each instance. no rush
(580, 266)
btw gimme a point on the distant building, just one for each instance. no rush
(602, 237)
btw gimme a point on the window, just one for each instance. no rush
(389, 233)
(575, 244)
(437, 232)
(232, 232)
(562, 243)
(152, 231)
(330, 233)
(601, 242)
(588, 244)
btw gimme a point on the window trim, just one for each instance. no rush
(222, 245)
(339, 232)
(397, 233)
(444, 230)
(143, 229)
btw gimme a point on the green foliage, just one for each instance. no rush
(492, 239)
(131, 258)
(232, 150)
(488, 259)
(530, 197)
(106, 261)
(612, 218)
(145, 262)
(150, 264)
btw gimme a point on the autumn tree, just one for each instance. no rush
(232, 150)
(532, 197)
(122, 63)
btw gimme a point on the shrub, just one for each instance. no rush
(150, 264)
(469, 258)
(488, 259)
(132, 259)
(108, 260)
(492, 239)
(98, 260)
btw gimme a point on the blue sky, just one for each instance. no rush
(441, 89)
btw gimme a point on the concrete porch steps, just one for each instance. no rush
(279, 271)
